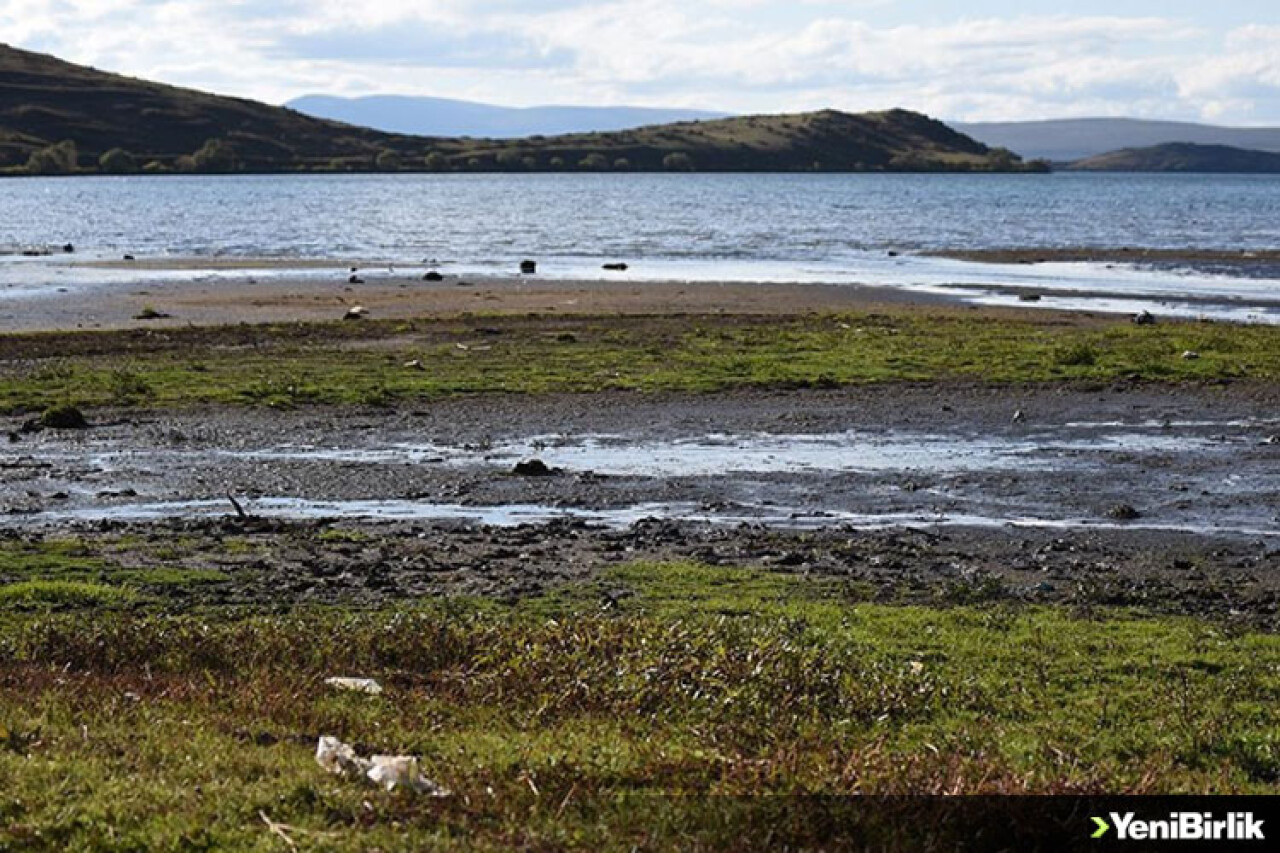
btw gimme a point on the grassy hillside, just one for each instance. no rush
(60, 118)
(1182, 157)
(44, 101)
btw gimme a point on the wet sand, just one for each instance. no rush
(1085, 254)
(114, 294)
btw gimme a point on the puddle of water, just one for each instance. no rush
(510, 515)
(715, 454)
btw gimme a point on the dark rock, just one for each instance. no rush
(69, 248)
(130, 258)
(1123, 512)
(528, 267)
(433, 276)
(355, 279)
(63, 417)
(1028, 297)
(893, 254)
(533, 468)
(615, 267)
(1145, 318)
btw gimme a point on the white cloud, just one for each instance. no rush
(745, 55)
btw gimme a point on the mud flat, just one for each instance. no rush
(1119, 494)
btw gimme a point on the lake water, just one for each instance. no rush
(741, 227)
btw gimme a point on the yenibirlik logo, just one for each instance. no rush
(1182, 826)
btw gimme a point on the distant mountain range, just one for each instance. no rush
(1182, 157)
(1067, 140)
(422, 116)
(60, 118)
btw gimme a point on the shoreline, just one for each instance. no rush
(86, 293)
(1103, 254)
(287, 300)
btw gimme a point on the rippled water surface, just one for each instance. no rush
(805, 219)
(868, 229)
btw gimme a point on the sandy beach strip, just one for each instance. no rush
(386, 295)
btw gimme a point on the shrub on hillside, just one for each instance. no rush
(216, 155)
(677, 161)
(58, 159)
(117, 161)
(388, 161)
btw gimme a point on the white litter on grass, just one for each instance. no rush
(339, 758)
(386, 771)
(360, 685)
(401, 771)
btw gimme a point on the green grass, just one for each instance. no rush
(558, 720)
(61, 592)
(71, 573)
(337, 364)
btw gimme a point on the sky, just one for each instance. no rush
(977, 60)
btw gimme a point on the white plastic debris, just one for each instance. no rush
(386, 771)
(339, 758)
(360, 685)
(401, 771)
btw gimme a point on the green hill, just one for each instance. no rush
(1182, 157)
(58, 118)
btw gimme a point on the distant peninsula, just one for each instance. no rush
(1182, 157)
(61, 118)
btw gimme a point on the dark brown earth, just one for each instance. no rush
(277, 564)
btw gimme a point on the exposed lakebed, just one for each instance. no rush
(1127, 485)
(1177, 464)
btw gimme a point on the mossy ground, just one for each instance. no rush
(376, 363)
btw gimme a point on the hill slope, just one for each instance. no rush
(44, 100)
(896, 140)
(446, 117)
(1182, 157)
(56, 117)
(1066, 140)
